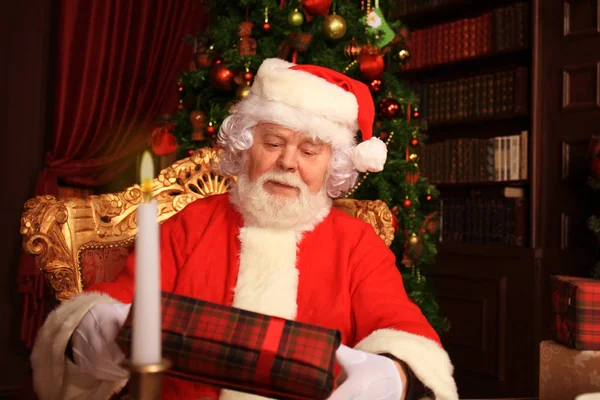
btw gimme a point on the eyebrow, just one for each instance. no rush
(269, 130)
(312, 142)
(272, 132)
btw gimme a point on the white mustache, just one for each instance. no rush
(285, 178)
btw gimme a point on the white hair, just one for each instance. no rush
(236, 136)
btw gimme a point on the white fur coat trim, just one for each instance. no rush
(428, 360)
(55, 377)
(267, 280)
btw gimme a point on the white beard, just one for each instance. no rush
(263, 209)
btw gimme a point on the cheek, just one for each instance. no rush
(259, 162)
(314, 176)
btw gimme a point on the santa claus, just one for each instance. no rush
(272, 245)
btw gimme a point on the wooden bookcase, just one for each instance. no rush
(462, 52)
(496, 295)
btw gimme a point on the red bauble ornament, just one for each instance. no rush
(384, 135)
(179, 107)
(221, 77)
(317, 7)
(266, 27)
(243, 77)
(406, 203)
(428, 197)
(395, 223)
(595, 167)
(414, 142)
(163, 141)
(211, 130)
(416, 114)
(370, 63)
(389, 108)
(375, 86)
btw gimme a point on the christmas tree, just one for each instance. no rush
(594, 181)
(355, 37)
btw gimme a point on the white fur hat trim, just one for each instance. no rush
(299, 89)
(315, 126)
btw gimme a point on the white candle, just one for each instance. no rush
(146, 342)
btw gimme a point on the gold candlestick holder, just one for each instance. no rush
(146, 380)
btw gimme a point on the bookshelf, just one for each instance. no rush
(497, 294)
(472, 68)
(472, 71)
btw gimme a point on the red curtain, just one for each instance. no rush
(116, 68)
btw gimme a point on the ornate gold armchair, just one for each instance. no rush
(81, 241)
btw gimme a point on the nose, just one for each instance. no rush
(287, 160)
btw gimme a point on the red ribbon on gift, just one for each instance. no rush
(269, 348)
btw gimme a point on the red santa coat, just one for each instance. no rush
(339, 275)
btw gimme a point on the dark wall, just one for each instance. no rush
(24, 78)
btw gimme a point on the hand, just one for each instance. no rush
(94, 348)
(367, 376)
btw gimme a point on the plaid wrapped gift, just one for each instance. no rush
(244, 351)
(576, 311)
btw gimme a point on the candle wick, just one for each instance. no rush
(146, 190)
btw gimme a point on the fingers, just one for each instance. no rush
(94, 348)
(347, 356)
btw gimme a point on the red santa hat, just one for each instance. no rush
(324, 103)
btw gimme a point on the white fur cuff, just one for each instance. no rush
(428, 360)
(56, 378)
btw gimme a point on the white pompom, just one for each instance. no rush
(369, 155)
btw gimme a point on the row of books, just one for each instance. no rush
(500, 30)
(474, 160)
(485, 220)
(488, 95)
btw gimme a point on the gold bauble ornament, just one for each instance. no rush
(296, 18)
(242, 91)
(404, 56)
(413, 239)
(334, 27)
